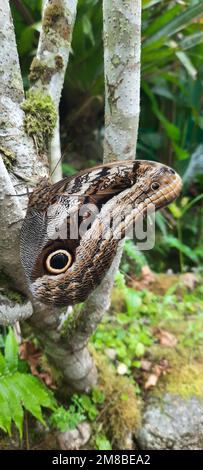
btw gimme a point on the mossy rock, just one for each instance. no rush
(171, 422)
(121, 414)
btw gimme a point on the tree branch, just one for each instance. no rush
(48, 68)
(122, 39)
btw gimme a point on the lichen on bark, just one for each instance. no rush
(40, 71)
(8, 156)
(56, 19)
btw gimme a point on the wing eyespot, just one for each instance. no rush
(155, 185)
(58, 261)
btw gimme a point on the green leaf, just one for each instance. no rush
(5, 416)
(89, 407)
(191, 40)
(184, 59)
(11, 351)
(38, 390)
(149, 3)
(134, 254)
(171, 129)
(163, 91)
(65, 420)
(175, 210)
(26, 40)
(14, 404)
(139, 349)
(133, 300)
(18, 390)
(102, 443)
(98, 396)
(161, 222)
(2, 364)
(186, 250)
(160, 21)
(68, 170)
(178, 23)
(180, 152)
(25, 394)
(87, 28)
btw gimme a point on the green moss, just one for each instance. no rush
(52, 13)
(8, 157)
(121, 412)
(40, 117)
(55, 19)
(184, 376)
(68, 325)
(40, 71)
(6, 289)
(186, 380)
(118, 300)
(116, 60)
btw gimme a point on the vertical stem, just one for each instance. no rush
(181, 258)
(122, 39)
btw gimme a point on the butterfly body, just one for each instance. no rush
(72, 228)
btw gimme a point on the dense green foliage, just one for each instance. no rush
(19, 390)
(127, 336)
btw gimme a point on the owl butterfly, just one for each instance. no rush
(63, 265)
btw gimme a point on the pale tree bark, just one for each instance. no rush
(122, 39)
(65, 335)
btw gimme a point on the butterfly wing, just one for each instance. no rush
(94, 199)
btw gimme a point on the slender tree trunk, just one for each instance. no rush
(122, 42)
(49, 66)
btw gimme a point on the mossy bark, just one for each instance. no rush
(48, 68)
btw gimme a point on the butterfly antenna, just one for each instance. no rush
(59, 160)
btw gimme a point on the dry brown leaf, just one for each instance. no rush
(157, 371)
(147, 275)
(146, 278)
(33, 356)
(145, 364)
(151, 381)
(190, 280)
(165, 338)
